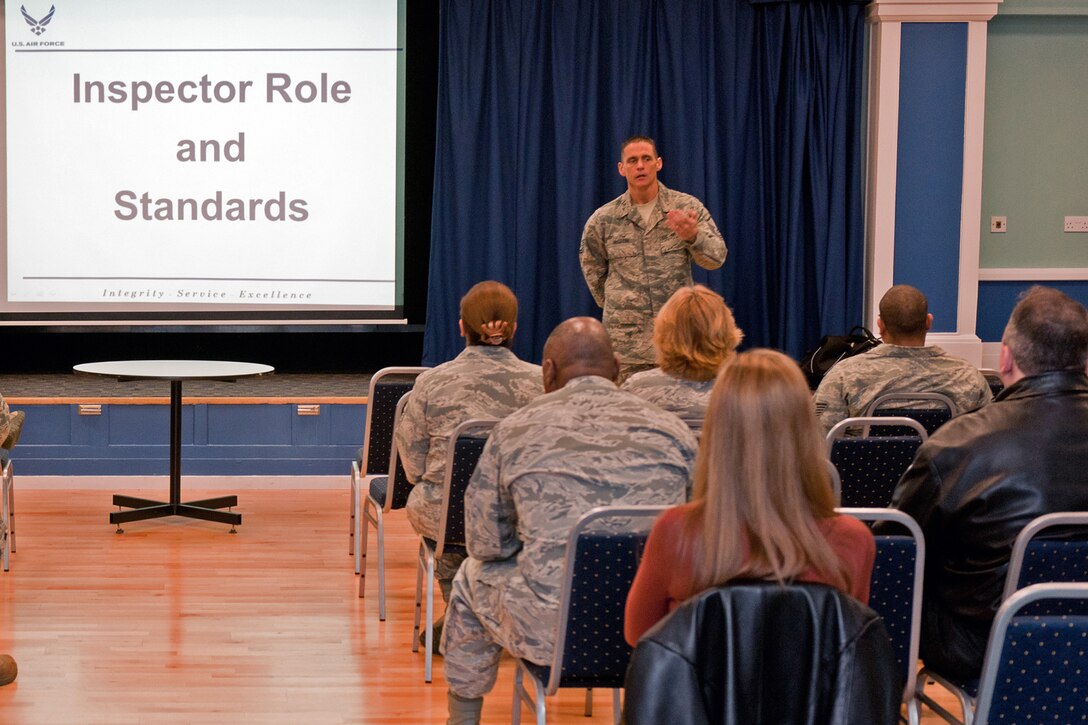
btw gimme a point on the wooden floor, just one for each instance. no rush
(177, 621)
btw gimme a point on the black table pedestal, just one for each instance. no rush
(144, 508)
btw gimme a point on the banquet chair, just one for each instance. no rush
(603, 553)
(387, 386)
(895, 592)
(466, 444)
(870, 466)
(384, 494)
(1033, 670)
(932, 417)
(7, 508)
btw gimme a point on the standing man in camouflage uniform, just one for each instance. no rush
(903, 364)
(485, 381)
(583, 444)
(638, 248)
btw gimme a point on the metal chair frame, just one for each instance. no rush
(360, 480)
(7, 511)
(967, 702)
(535, 700)
(914, 714)
(1009, 609)
(865, 422)
(425, 561)
(373, 513)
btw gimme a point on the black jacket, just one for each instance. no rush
(973, 486)
(759, 652)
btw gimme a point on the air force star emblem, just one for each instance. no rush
(38, 26)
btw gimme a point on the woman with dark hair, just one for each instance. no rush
(763, 507)
(486, 380)
(694, 336)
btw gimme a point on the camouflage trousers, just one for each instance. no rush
(491, 610)
(424, 509)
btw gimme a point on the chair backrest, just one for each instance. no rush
(603, 553)
(1059, 557)
(466, 444)
(993, 379)
(860, 427)
(387, 386)
(398, 487)
(761, 652)
(1034, 665)
(940, 410)
(895, 590)
(870, 467)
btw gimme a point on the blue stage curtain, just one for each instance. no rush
(756, 108)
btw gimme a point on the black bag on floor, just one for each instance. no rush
(832, 348)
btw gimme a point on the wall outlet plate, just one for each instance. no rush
(998, 224)
(1076, 224)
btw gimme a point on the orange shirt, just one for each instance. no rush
(664, 577)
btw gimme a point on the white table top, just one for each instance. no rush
(175, 369)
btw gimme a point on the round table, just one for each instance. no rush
(176, 371)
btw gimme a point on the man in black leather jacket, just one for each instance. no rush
(984, 475)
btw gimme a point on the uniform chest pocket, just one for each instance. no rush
(623, 249)
(674, 245)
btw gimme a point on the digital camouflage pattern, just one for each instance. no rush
(632, 269)
(588, 444)
(686, 398)
(483, 381)
(852, 384)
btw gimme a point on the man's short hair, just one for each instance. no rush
(904, 310)
(1047, 331)
(637, 139)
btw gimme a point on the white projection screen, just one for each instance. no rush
(203, 162)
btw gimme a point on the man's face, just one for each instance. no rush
(639, 165)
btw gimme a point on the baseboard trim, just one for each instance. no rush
(158, 486)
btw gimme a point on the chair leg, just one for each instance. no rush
(541, 705)
(379, 524)
(515, 712)
(361, 525)
(352, 511)
(5, 542)
(617, 706)
(11, 508)
(589, 702)
(429, 632)
(419, 598)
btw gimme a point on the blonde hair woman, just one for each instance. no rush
(694, 336)
(763, 506)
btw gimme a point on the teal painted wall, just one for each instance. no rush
(1035, 158)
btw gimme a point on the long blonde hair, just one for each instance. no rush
(695, 334)
(761, 479)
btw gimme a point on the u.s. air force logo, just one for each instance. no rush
(38, 26)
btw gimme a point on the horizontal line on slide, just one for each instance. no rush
(208, 50)
(212, 279)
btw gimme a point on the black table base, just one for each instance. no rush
(144, 508)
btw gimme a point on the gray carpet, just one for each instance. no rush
(289, 386)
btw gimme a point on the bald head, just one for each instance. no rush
(578, 346)
(904, 316)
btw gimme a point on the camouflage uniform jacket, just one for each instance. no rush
(481, 382)
(5, 419)
(685, 398)
(588, 444)
(632, 269)
(852, 384)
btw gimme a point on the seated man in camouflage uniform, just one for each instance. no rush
(903, 364)
(583, 444)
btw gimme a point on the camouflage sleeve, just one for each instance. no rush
(5, 419)
(830, 400)
(708, 248)
(594, 259)
(985, 395)
(490, 517)
(412, 438)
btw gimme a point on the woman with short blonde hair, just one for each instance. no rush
(763, 507)
(694, 336)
